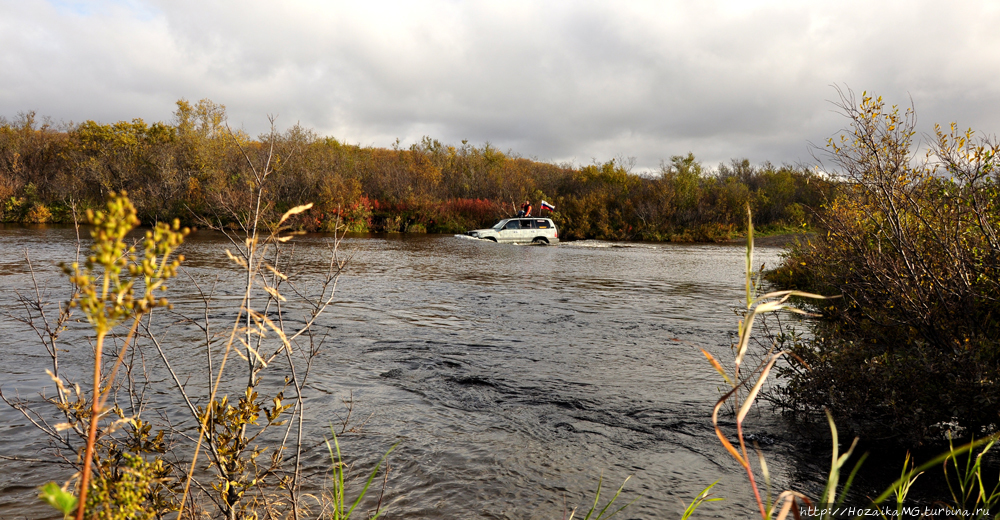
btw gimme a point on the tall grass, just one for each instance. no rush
(751, 382)
(338, 505)
(607, 511)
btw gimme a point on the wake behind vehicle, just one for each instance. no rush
(523, 230)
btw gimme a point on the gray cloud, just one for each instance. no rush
(561, 81)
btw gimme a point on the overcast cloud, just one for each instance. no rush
(557, 81)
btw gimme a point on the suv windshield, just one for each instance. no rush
(499, 225)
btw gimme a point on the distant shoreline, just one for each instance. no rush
(779, 240)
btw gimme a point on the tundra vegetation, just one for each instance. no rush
(912, 350)
(905, 349)
(191, 166)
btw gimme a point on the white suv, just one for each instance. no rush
(524, 230)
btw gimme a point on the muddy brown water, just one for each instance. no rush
(512, 377)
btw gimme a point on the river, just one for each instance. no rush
(512, 377)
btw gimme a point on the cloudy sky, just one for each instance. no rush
(565, 81)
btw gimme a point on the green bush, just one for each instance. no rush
(913, 347)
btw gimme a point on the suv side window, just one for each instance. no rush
(527, 224)
(513, 224)
(542, 224)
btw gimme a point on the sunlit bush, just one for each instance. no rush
(913, 348)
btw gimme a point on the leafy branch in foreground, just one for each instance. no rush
(254, 443)
(107, 300)
(115, 286)
(758, 305)
(235, 433)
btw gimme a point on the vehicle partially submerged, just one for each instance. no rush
(523, 230)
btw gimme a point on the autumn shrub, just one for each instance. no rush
(38, 214)
(913, 348)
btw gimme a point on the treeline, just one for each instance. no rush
(194, 168)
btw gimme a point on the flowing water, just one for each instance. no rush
(511, 377)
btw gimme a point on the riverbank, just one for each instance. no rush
(776, 240)
(195, 170)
